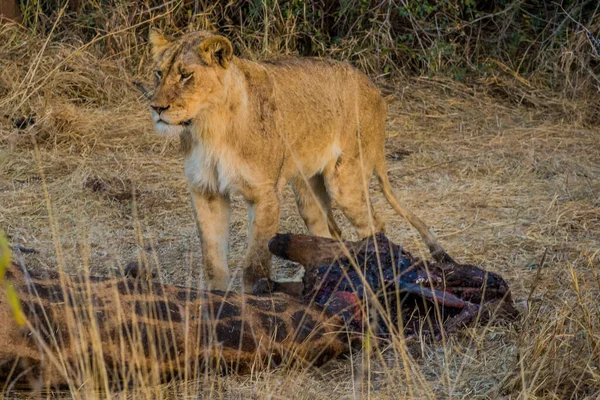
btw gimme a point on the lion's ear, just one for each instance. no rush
(159, 43)
(216, 50)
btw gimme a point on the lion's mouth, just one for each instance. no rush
(183, 123)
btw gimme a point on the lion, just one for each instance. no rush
(252, 127)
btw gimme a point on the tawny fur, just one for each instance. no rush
(251, 127)
(119, 329)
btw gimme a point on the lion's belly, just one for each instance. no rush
(313, 162)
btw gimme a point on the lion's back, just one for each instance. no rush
(313, 76)
(318, 94)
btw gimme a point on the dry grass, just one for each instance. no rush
(501, 182)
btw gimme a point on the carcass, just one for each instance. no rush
(398, 291)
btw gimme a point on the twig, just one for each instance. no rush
(24, 250)
(507, 9)
(409, 173)
(145, 91)
(595, 43)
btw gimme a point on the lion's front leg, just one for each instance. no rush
(263, 224)
(212, 215)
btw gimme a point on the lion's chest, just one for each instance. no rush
(213, 169)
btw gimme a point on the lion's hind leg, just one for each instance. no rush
(314, 205)
(347, 182)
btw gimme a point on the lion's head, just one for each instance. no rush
(189, 77)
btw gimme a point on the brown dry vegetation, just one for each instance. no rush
(506, 172)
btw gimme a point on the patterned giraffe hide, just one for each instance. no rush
(119, 329)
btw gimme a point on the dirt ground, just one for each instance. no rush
(498, 185)
(93, 186)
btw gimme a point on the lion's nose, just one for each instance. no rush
(159, 109)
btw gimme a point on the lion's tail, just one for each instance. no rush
(437, 251)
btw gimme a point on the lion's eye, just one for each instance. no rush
(185, 77)
(158, 74)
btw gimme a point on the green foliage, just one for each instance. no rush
(421, 37)
(11, 294)
(5, 255)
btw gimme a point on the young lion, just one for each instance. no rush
(251, 127)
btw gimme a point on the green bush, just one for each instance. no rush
(549, 42)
